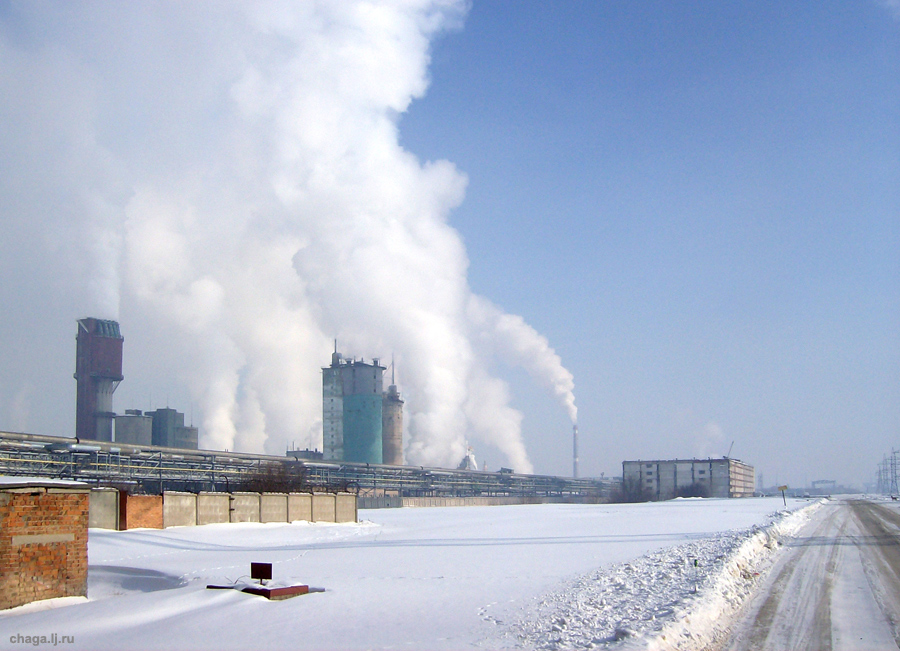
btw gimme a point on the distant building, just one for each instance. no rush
(134, 428)
(361, 422)
(170, 431)
(98, 371)
(308, 455)
(665, 480)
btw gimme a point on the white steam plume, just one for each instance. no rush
(520, 344)
(247, 200)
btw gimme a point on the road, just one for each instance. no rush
(835, 586)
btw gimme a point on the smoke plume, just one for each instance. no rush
(228, 178)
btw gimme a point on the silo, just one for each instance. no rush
(98, 371)
(333, 410)
(392, 427)
(134, 428)
(362, 396)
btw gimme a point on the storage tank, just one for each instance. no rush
(134, 428)
(363, 386)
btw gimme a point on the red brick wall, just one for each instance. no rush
(140, 511)
(43, 545)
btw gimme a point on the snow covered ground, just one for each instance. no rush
(835, 585)
(549, 576)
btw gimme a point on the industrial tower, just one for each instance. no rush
(98, 371)
(360, 422)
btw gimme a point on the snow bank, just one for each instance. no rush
(679, 598)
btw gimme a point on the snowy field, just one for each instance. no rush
(549, 576)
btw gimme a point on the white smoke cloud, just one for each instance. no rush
(233, 174)
(522, 345)
(708, 441)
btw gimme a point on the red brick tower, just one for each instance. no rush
(98, 370)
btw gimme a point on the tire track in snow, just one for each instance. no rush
(798, 607)
(836, 587)
(882, 551)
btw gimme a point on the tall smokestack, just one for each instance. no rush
(98, 371)
(575, 451)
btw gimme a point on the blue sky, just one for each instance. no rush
(694, 204)
(697, 203)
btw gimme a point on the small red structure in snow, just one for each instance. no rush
(262, 572)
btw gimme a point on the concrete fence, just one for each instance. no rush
(179, 509)
(245, 507)
(273, 507)
(322, 507)
(110, 509)
(345, 509)
(299, 507)
(213, 508)
(103, 512)
(391, 502)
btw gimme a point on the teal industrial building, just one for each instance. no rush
(361, 422)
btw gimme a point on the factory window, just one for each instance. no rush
(649, 472)
(649, 465)
(649, 481)
(702, 472)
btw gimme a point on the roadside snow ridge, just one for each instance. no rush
(680, 598)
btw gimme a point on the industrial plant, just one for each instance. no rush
(98, 372)
(155, 451)
(361, 423)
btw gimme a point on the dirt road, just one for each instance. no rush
(836, 585)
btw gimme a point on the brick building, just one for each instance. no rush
(43, 539)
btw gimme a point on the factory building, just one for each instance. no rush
(134, 428)
(170, 431)
(665, 480)
(361, 423)
(98, 371)
(163, 427)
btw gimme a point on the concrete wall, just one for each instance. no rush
(666, 481)
(109, 510)
(179, 509)
(104, 508)
(299, 507)
(273, 507)
(43, 544)
(140, 511)
(389, 502)
(213, 508)
(345, 507)
(720, 481)
(245, 507)
(323, 507)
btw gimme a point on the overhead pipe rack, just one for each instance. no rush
(155, 469)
